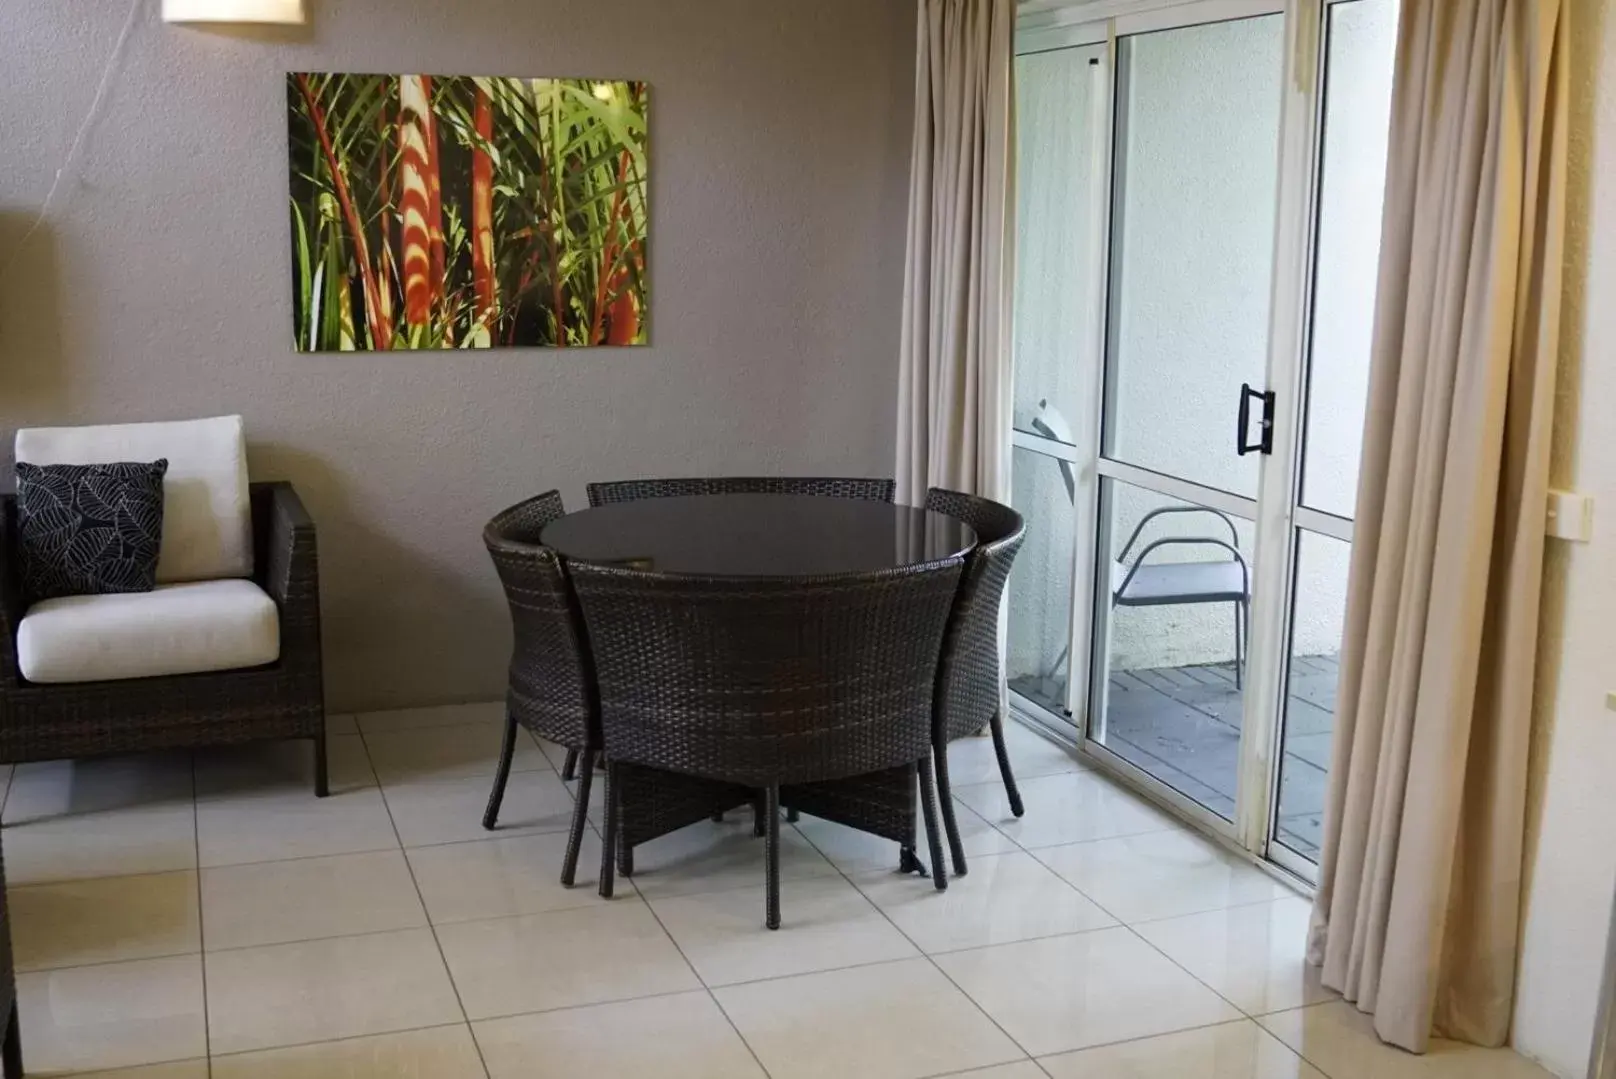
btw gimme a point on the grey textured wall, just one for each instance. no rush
(158, 286)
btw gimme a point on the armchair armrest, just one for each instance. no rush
(13, 603)
(286, 564)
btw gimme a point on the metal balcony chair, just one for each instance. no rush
(1164, 584)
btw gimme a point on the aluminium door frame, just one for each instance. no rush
(1274, 512)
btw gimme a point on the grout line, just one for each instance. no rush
(332, 1041)
(425, 914)
(108, 963)
(708, 989)
(926, 882)
(201, 925)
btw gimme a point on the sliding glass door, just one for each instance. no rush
(1061, 96)
(1199, 204)
(1196, 136)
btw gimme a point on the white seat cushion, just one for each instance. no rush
(207, 516)
(175, 629)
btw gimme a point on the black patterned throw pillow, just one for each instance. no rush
(89, 529)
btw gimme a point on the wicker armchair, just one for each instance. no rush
(872, 490)
(551, 690)
(284, 699)
(767, 683)
(968, 689)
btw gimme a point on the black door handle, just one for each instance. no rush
(1265, 440)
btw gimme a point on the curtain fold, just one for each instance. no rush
(1417, 912)
(954, 388)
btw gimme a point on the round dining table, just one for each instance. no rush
(758, 535)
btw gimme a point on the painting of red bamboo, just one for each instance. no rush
(433, 212)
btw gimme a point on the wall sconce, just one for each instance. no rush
(238, 11)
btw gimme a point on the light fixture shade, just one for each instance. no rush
(270, 11)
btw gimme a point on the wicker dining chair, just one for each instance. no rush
(871, 490)
(969, 686)
(868, 489)
(550, 690)
(767, 682)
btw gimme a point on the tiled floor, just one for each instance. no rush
(179, 917)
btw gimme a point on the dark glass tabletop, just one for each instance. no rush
(758, 535)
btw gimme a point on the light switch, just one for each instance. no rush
(1571, 516)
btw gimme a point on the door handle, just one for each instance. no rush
(1265, 439)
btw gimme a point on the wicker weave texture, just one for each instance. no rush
(968, 684)
(282, 700)
(871, 490)
(761, 682)
(550, 688)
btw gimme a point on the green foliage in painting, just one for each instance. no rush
(432, 212)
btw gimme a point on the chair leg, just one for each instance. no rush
(759, 828)
(580, 824)
(608, 852)
(1012, 792)
(945, 798)
(934, 837)
(502, 774)
(322, 775)
(11, 1051)
(909, 862)
(718, 818)
(1239, 650)
(569, 767)
(771, 854)
(792, 816)
(625, 859)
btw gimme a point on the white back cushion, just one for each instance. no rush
(207, 516)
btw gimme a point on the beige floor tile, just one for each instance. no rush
(1004, 898)
(853, 851)
(709, 857)
(502, 878)
(1160, 875)
(283, 767)
(683, 1036)
(436, 1053)
(1240, 1050)
(106, 920)
(1024, 1069)
(445, 715)
(1069, 808)
(292, 824)
(610, 951)
(114, 1016)
(50, 789)
(897, 1020)
(972, 760)
(1087, 989)
(825, 923)
(290, 994)
(179, 1069)
(1255, 956)
(280, 902)
(159, 838)
(344, 724)
(1340, 1041)
(451, 811)
(455, 752)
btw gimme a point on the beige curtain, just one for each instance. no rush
(1420, 884)
(954, 384)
